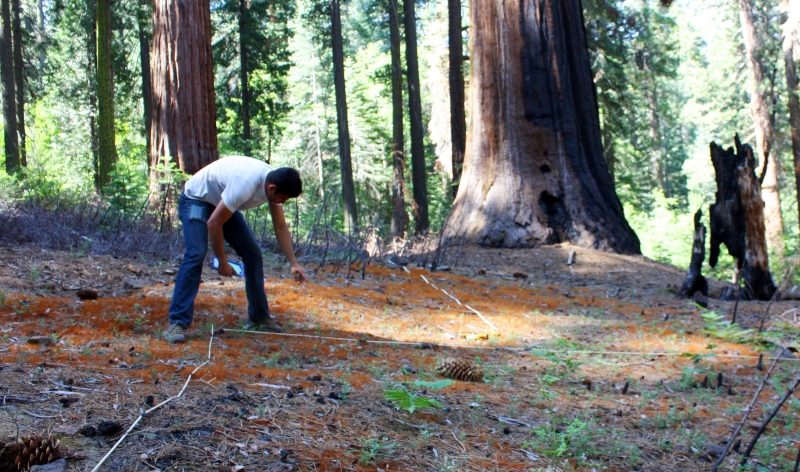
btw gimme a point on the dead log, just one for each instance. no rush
(737, 219)
(694, 281)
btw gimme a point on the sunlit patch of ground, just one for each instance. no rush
(552, 396)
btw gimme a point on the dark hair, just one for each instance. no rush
(287, 181)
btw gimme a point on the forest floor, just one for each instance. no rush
(554, 394)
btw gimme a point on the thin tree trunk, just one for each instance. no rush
(348, 188)
(789, 25)
(458, 120)
(40, 35)
(19, 81)
(764, 128)
(317, 139)
(106, 147)
(184, 112)
(246, 136)
(657, 160)
(419, 172)
(7, 83)
(609, 152)
(91, 91)
(147, 80)
(399, 216)
(534, 171)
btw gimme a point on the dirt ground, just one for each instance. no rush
(594, 366)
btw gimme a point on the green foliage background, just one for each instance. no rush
(681, 67)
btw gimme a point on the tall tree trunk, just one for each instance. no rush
(147, 81)
(19, 81)
(317, 139)
(399, 215)
(184, 113)
(91, 89)
(609, 151)
(534, 171)
(106, 147)
(7, 83)
(419, 172)
(764, 130)
(657, 159)
(458, 120)
(348, 188)
(790, 21)
(246, 136)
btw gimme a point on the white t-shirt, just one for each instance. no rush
(236, 180)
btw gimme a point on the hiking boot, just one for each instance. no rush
(176, 333)
(269, 325)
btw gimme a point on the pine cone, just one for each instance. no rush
(37, 450)
(460, 369)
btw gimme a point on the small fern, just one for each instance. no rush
(409, 401)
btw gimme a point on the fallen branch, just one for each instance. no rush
(36, 415)
(768, 419)
(749, 408)
(108, 454)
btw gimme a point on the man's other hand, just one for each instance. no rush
(225, 269)
(299, 274)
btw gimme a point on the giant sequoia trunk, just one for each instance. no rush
(737, 219)
(399, 216)
(7, 84)
(184, 114)
(458, 122)
(764, 129)
(534, 171)
(418, 166)
(345, 164)
(106, 147)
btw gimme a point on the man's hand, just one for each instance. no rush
(299, 274)
(225, 269)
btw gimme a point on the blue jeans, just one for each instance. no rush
(194, 214)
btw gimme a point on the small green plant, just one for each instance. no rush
(573, 441)
(404, 399)
(372, 449)
(718, 326)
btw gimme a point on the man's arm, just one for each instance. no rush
(218, 218)
(285, 240)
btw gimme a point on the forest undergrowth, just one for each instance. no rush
(597, 365)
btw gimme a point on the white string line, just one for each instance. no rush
(456, 299)
(142, 415)
(519, 350)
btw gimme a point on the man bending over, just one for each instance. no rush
(209, 211)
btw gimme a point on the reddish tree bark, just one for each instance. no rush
(534, 171)
(184, 113)
(764, 128)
